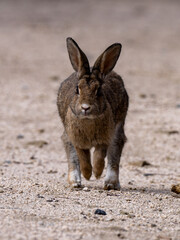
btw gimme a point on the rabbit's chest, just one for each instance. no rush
(86, 133)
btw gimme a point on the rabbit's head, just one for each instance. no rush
(88, 100)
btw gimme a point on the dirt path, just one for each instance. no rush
(35, 200)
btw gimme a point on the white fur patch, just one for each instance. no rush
(111, 175)
(74, 176)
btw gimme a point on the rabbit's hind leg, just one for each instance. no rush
(114, 154)
(98, 160)
(85, 162)
(74, 174)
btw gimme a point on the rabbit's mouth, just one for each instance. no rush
(85, 112)
(85, 115)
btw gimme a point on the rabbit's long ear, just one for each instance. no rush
(78, 59)
(107, 60)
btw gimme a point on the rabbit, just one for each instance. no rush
(93, 105)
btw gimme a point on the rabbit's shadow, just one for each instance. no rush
(141, 190)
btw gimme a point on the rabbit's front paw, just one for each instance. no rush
(113, 186)
(112, 179)
(74, 178)
(75, 184)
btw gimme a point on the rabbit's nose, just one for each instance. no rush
(85, 106)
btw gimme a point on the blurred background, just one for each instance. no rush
(34, 59)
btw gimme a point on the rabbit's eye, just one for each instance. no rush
(77, 90)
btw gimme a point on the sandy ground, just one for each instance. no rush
(35, 200)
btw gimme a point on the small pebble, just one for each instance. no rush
(1, 190)
(7, 162)
(52, 171)
(153, 225)
(176, 188)
(142, 95)
(40, 196)
(41, 130)
(142, 163)
(37, 143)
(172, 132)
(120, 235)
(148, 174)
(130, 183)
(109, 218)
(100, 212)
(54, 78)
(20, 136)
(86, 189)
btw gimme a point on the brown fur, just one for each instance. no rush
(93, 104)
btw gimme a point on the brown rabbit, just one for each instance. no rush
(93, 104)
